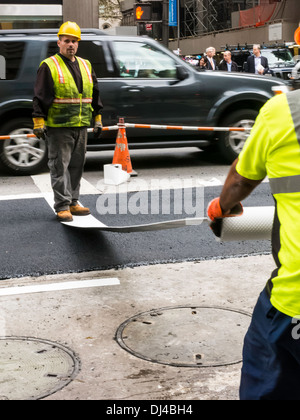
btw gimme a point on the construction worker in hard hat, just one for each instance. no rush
(66, 100)
(70, 29)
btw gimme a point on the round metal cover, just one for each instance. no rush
(31, 369)
(186, 336)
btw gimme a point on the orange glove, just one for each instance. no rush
(214, 210)
(215, 213)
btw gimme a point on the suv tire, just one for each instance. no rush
(22, 156)
(230, 144)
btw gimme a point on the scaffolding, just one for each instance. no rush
(203, 16)
(200, 16)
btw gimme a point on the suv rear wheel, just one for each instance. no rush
(231, 143)
(22, 156)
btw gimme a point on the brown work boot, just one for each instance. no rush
(77, 210)
(64, 216)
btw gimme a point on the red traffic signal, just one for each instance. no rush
(143, 12)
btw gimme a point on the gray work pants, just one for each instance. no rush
(66, 153)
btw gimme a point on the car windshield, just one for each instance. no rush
(278, 58)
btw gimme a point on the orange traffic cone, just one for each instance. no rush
(121, 155)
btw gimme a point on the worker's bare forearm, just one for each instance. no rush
(236, 189)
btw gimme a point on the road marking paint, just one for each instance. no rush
(54, 287)
(21, 196)
(43, 182)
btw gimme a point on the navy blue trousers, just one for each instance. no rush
(271, 355)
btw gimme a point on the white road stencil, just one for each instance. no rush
(54, 287)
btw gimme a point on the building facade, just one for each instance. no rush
(26, 14)
(230, 22)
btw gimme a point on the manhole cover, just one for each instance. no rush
(31, 369)
(186, 336)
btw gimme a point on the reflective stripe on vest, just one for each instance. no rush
(294, 108)
(86, 68)
(73, 101)
(289, 184)
(285, 185)
(61, 74)
(59, 70)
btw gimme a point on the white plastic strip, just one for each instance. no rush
(91, 223)
(255, 224)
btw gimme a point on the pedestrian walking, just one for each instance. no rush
(271, 355)
(211, 62)
(66, 98)
(227, 64)
(256, 63)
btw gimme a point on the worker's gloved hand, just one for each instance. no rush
(216, 214)
(39, 129)
(98, 126)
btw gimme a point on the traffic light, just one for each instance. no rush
(143, 12)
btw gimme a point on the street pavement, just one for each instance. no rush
(36, 244)
(87, 320)
(122, 276)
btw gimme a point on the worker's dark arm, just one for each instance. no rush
(97, 103)
(235, 189)
(43, 92)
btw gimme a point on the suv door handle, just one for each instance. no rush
(133, 89)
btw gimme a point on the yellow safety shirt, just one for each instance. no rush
(273, 150)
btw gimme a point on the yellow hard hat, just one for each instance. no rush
(70, 29)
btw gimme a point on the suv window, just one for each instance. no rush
(92, 51)
(140, 60)
(11, 54)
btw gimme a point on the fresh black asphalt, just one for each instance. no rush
(33, 243)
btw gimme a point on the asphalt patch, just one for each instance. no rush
(34, 243)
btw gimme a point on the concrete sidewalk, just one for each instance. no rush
(86, 320)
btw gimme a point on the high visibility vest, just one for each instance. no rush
(273, 150)
(70, 108)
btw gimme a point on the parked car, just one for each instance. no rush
(280, 59)
(139, 80)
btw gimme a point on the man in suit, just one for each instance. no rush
(227, 64)
(211, 62)
(256, 63)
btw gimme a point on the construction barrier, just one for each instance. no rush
(143, 126)
(185, 128)
(121, 154)
(32, 136)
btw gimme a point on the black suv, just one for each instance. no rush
(139, 80)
